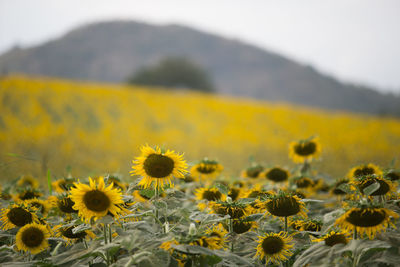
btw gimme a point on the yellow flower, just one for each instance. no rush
(285, 205)
(157, 166)
(304, 150)
(42, 205)
(276, 175)
(17, 215)
(385, 186)
(66, 232)
(334, 237)
(28, 180)
(33, 238)
(206, 169)
(364, 170)
(95, 201)
(367, 221)
(252, 171)
(27, 194)
(274, 247)
(62, 185)
(210, 194)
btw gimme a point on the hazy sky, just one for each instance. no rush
(354, 40)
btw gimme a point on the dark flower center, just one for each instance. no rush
(312, 227)
(96, 200)
(206, 168)
(211, 195)
(305, 149)
(383, 187)
(335, 239)
(32, 237)
(304, 182)
(277, 175)
(67, 232)
(234, 193)
(253, 172)
(240, 227)
(283, 206)
(338, 191)
(234, 212)
(393, 176)
(28, 195)
(364, 171)
(65, 205)
(272, 245)
(366, 218)
(19, 216)
(158, 166)
(39, 206)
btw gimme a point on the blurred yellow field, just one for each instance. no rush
(98, 128)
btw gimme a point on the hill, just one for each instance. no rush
(97, 128)
(111, 51)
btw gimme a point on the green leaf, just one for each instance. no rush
(49, 181)
(371, 188)
(222, 188)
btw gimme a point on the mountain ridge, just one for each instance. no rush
(110, 51)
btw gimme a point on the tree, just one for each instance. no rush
(174, 72)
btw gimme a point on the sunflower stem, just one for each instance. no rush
(355, 233)
(155, 200)
(109, 233)
(286, 224)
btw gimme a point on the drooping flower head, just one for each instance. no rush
(206, 169)
(158, 166)
(285, 205)
(28, 181)
(303, 150)
(364, 170)
(276, 175)
(334, 238)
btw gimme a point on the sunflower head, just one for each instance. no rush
(274, 247)
(67, 233)
(334, 238)
(206, 169)
(28, 181)
(252, 171)
(41, 205)
(303, 150)
(112, 179)
(364, 170)
(96, 200)
(62, 185)
(28, 193)
(235, 210)
(276, 175)
(303, 182)
(385, 186)
(65, 204)
(336, 187)
(210, 194)
(17, 215)
(393, 175)
(285, 205)
(158, 166)
(259, 193)
(234, 193)
(309, 225)
(33, 238)
(367, 220)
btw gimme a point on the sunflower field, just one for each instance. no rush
(257, 185)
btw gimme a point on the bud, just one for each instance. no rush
(192, 229)
(166, 227)
(229, 199)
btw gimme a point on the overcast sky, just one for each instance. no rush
(353, 40)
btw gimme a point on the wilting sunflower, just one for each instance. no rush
(307, 225)
(258, 192)
(95, 201)
(336, 187)
(155, 165)
(234, 209)
(276, 175)
(62, 185)
(274, 247)
(33, 238)
(385, 186)
(42, 205)
(234, 193)
(206, 169)
(366, 220)
(117, 182)
(252, 171)
(17, 215)
(364, 170)
(219, 234)
(66, 232)
(334, 238)
(28, 181)
(285, 205)
(240, 226)
(27, 194)
(304, 150)
(65, 204)
(303, 182)
(210, 194)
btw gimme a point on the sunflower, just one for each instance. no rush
(95, 201)
(158, 166)
(206, 169)
(393, 175)
(252, 171)
(276, 175)
(307, 225)
(219, 234)
(240, 226)
(17, 215)
(234, 193)
(366, 220)
(33, 238)
(27, 194)
(303, 182)
(65, 204)
(117, 183)
(42, 205)
(258, 192)
(304, 150)
(364, 170)
(210, 194)
(334, 238)
(285, 205)
(62, 185)
(28, 181)
(274, 247)
(335, 188)
(385, 186)
(66, 232)
(234, 209)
